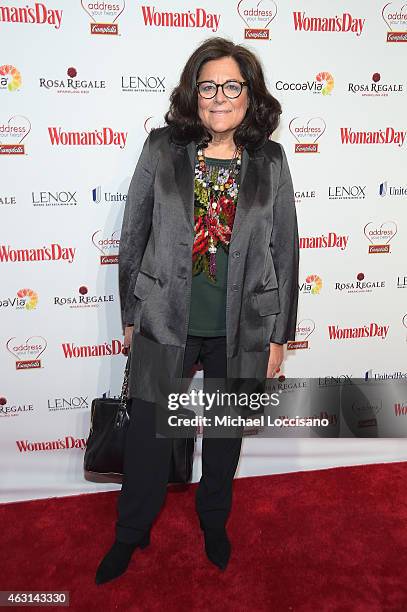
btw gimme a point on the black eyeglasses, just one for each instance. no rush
(231, 89)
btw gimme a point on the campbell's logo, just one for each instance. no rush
(379, 236)
(71, 83)
(108, 246)
(10, 78)
(37, 13)
(359, 284)
(325, 241)
(313, 284)
(371, 330)
(10, 409)
(307, 132)
(12, 135)
(25, 299)
(303, 331)
(66, 443)
(192, 18)
(83, 299)
(27, 352)
(104, 16)
(338, 23)
(386, 135)
(323, 84)
(106, 349)
(54, 198)
(53, 252)
(394, 15)
(375, 88)
(257, 16)
(103, 137)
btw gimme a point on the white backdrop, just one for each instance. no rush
(75, 73)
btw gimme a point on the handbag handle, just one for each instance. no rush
(122, 415)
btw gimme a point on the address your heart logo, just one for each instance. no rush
(104, 16)
(257, 16)
(304, 329)
(307, 132)
(27, 352)
(12, 134)
(379, 236)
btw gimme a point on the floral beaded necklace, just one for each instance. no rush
(216, 195)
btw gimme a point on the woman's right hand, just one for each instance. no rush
(128, 333)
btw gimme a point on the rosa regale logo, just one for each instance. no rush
(12, 135)
(395, 17)
(379, 236)
(10, 78)
(307, 132)
(37, 13)
(27, 352)
(106, 11)
(109, 247)
(30, 297)
(257, 16)
(303, 331)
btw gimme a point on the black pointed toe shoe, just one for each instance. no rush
(116, 561)
(217, 546)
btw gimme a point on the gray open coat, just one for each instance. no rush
(155, 262)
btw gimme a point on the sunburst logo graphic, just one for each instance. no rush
(30, 297)
(327, 79)
(316, 283)
(10, 78)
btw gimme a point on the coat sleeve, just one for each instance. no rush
(284, 245)
(135, 231)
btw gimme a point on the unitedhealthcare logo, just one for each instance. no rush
(392, 190)
(381, 376)
(99, 196)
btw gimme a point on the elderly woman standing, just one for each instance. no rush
(208, 271)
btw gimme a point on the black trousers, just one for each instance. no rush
(147, 458)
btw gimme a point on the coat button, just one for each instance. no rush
(236, 254)
(235, 287)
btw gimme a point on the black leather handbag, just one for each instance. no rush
(104, 453)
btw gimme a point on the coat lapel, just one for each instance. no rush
(184, 177)
(249, 182)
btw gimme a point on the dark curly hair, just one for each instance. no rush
(263, 113)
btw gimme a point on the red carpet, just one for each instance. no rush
(310, 541)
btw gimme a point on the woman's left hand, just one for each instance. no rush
(275, 359)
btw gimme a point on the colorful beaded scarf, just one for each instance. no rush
(216, 195)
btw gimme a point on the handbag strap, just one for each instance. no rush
(125, 386)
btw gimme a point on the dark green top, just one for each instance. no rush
(208, 299)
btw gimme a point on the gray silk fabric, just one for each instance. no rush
(155, 263)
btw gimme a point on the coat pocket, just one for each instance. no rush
(144, 285)
(268, 302)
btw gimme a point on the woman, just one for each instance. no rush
(208, 271)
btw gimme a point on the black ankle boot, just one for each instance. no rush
(116, 561)
(217, 545)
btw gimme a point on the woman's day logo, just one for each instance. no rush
(395, 17)
(104, 16)
(10, 78)
(379, 236)
(27, 353)
(306, 133)
(109, 247)
(12, 135)
(302, 332)
(257, 16)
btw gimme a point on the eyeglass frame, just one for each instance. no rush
(241, 83)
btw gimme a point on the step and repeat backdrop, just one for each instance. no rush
(81, 85)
